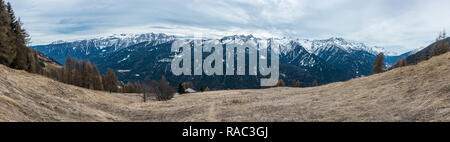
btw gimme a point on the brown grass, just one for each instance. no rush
(413, 93)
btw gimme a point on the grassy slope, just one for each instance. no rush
(414, 93)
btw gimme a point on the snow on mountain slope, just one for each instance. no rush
(317, 46)
(125, 40)
(351, 57)
(85, 49)
(329, 60)
(118, 41)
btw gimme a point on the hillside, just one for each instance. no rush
(413, 93)
(424, 53)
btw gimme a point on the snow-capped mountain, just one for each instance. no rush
(119, 41)
(352, 57)
(85, 49)
(318, 46)
(147, 56)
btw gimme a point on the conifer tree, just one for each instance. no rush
(68, 70)
(293, 83)
(137, 87)
(8, 50)
(19, 40)
(423, 57)
(202, 88)
(378, 65)
(77, 74)
(110, 81)
(180, 89)
(128, 87)
(31, 62)
(84, 74)
(404, 62)
(38, 62)
(89, 75)
(281, 83)
(97, 79)
(22, 60)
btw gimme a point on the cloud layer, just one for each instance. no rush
(398, 25)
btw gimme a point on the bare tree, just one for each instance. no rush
(161, 89)
(181, 89)
(439, 48)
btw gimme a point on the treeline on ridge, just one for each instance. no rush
(440, 47)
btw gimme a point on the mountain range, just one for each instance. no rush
(145, 57)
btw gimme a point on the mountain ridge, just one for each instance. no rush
(326, 61)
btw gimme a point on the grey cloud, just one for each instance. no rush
(396, 24)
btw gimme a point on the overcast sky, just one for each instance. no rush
(397, 25)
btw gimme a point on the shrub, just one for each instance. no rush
(162, 89)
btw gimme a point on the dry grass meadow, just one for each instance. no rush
(413, 93)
